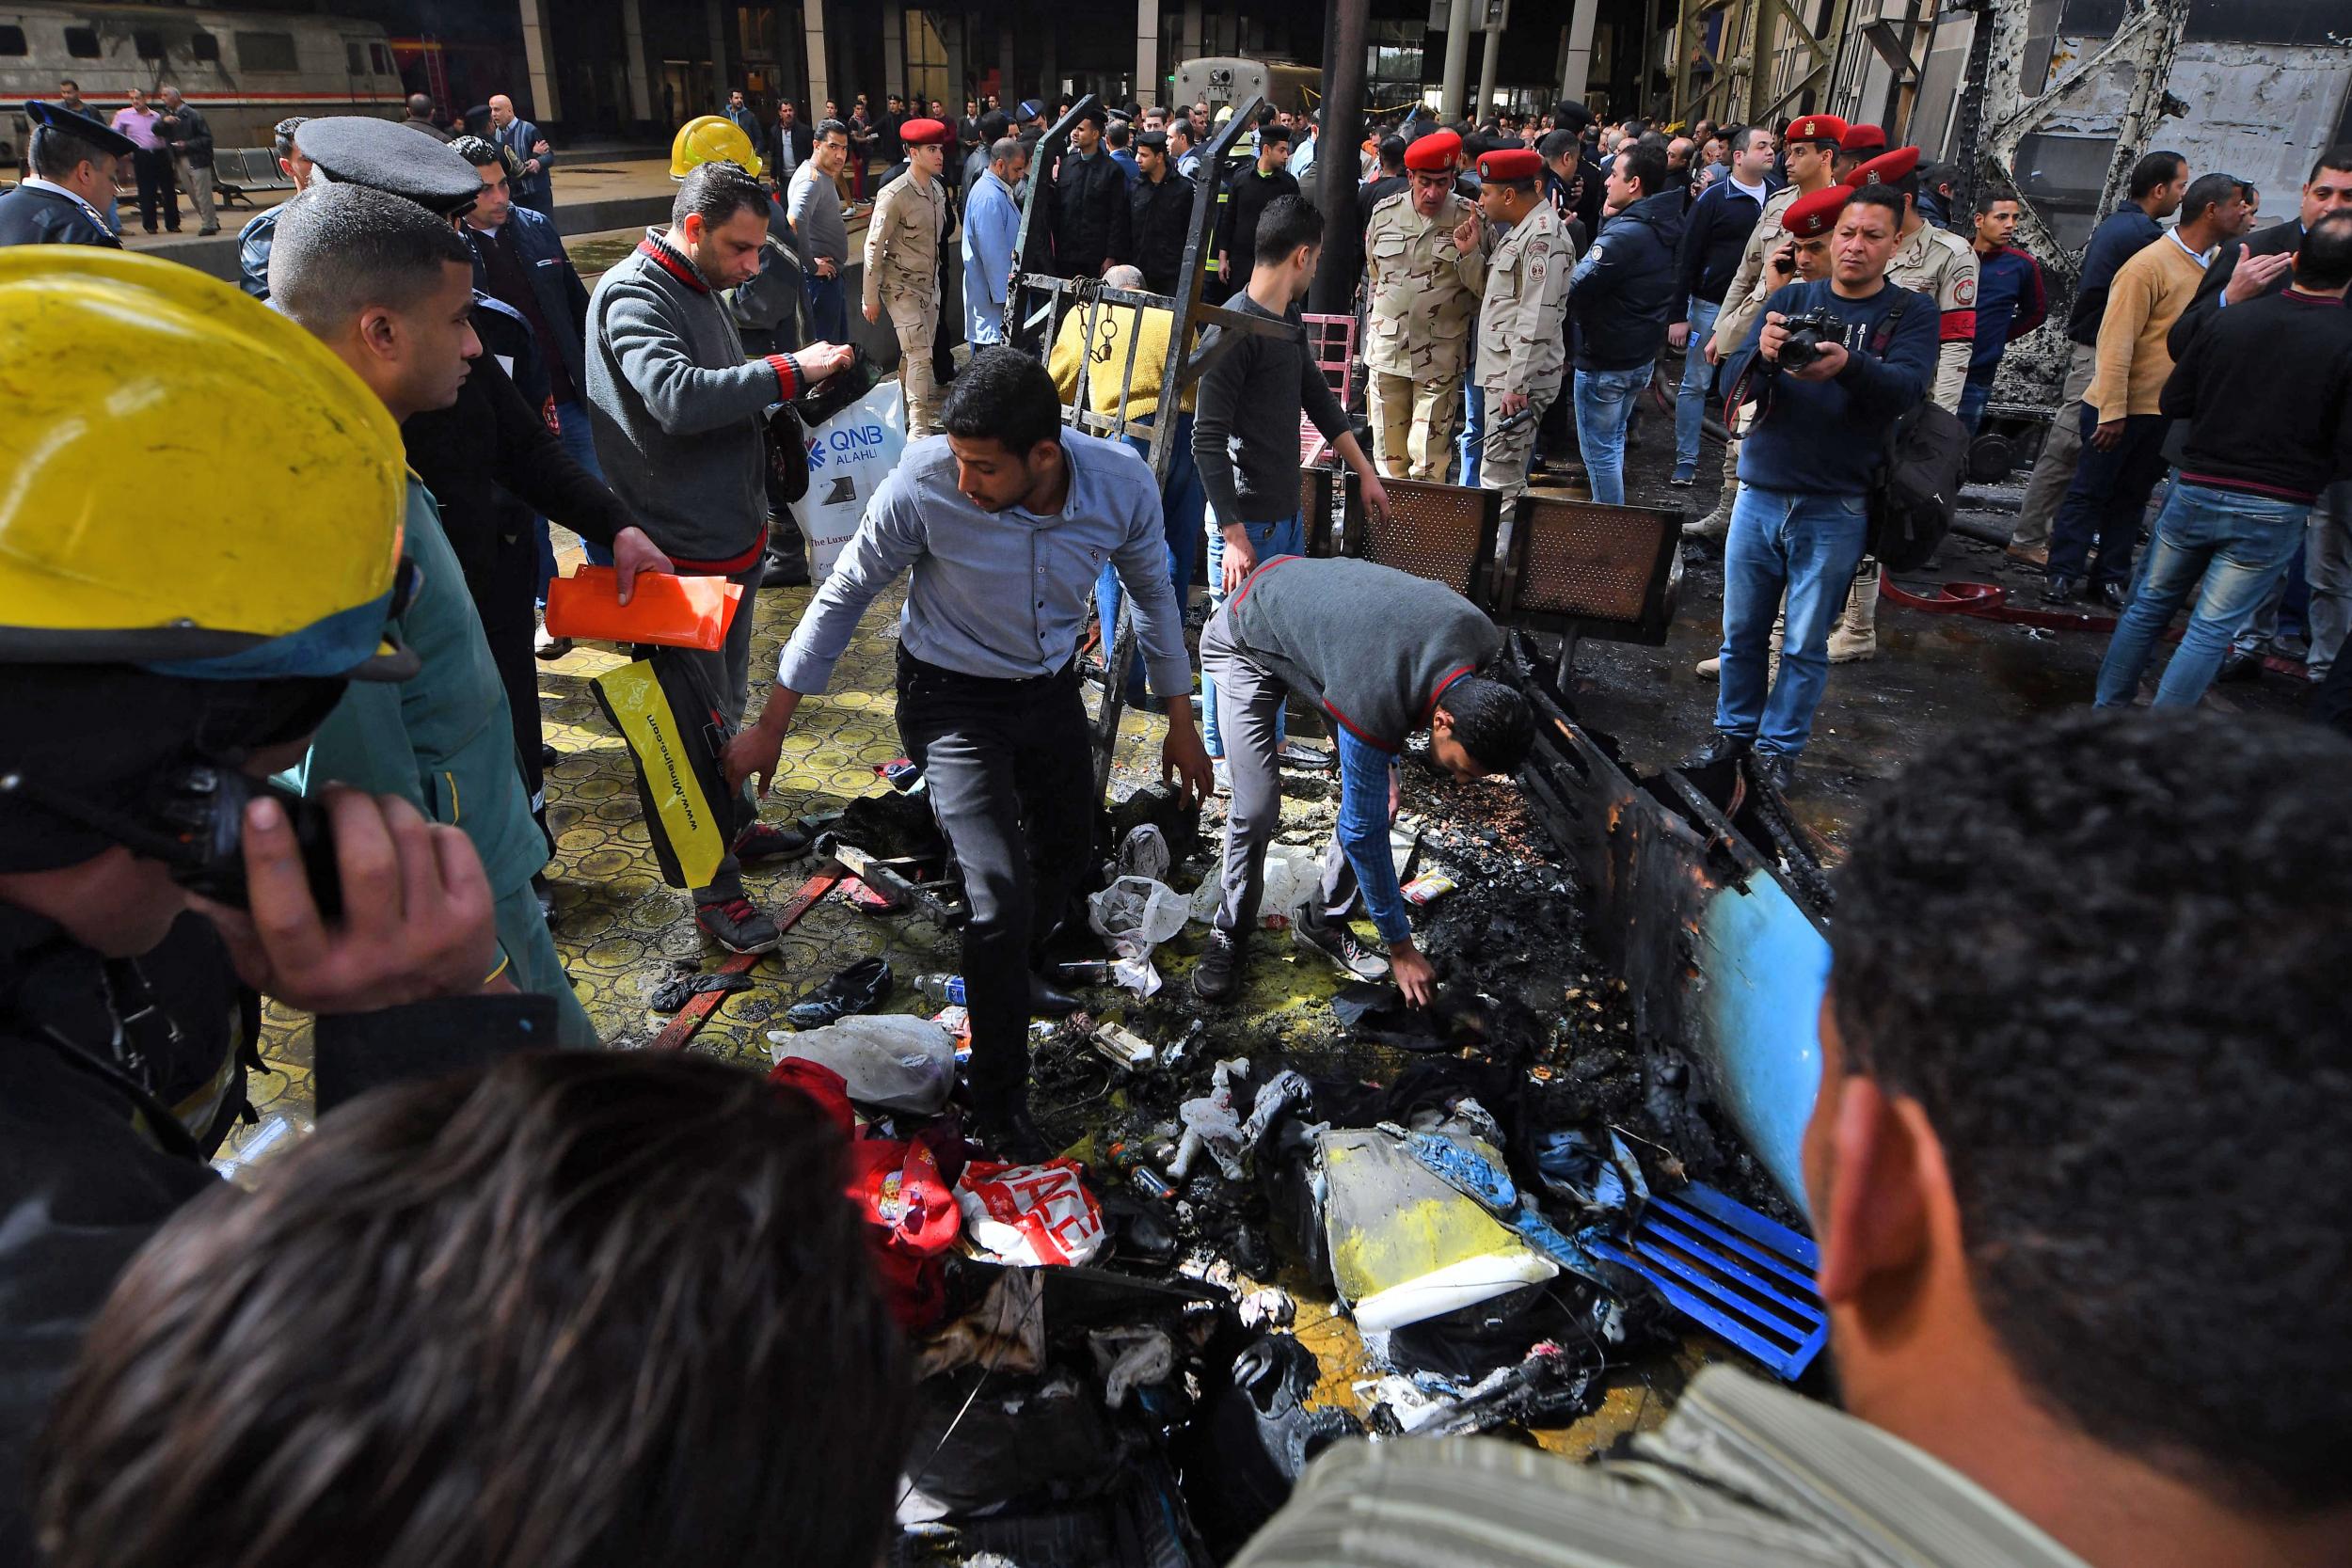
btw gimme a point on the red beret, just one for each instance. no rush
(1885, 168)
(925, 132)
(1809, 218)
(1862, 138)
(1511, 163)
(1434, 152)
(1816, 128)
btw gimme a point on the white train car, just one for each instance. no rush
(245, 70)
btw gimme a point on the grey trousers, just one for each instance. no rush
(1250, 703)
(2053, 470)
(198, 182)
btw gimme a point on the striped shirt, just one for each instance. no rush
(1742, 1475)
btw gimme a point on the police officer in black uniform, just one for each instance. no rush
(69, 197)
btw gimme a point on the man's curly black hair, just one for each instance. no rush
(2107, 954)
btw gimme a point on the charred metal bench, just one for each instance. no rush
(1573, 569)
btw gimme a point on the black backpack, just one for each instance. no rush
(1918, 489)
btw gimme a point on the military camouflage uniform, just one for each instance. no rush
(903, 239)
(1424, 293)
(1520, 345)
(1942, 266)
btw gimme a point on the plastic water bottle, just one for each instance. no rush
(941, 990)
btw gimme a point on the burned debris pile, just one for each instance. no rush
(1119, 1346)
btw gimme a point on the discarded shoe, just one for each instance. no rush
(1045, 1002)
(1722, 747)
(858, 988)
(766, 841)
(1334, 940)
(1217, 976)
(1777, 769)
(1298, 754)
(737, 924)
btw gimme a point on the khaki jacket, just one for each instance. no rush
(903, 241)
(1520, 346)
(1424, 292)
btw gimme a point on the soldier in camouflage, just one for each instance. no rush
(903, 240)
(1522, 353)
(1425, 259)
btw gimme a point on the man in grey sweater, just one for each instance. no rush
(1245, 438)
(678, 416)
(814, 203)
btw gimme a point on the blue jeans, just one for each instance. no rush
(1472, 443)
(1698, 380)
(579, 445)
(1287, 537)
(1973, 395)
(828, 309)
(1808, 546)
(2107, 498)
(1182, 504)
(1604, 404)
(2230, 550)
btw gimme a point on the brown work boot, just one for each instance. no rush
(1856, 637)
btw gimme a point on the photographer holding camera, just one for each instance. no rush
(151, 880)
(1839, 361)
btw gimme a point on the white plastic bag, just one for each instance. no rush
(1292, 877)
(1028, 1215)
(890, 1061)
(848, 457)
(1136, 914)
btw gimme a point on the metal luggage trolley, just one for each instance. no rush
(1040, 302)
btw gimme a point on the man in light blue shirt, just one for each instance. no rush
(991, 230)
(1000, 525)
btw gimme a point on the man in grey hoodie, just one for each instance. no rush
(678, 415)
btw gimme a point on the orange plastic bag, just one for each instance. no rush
(670, 611)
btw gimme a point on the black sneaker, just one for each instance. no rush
(858, 988)
(1722, 747)
(737, 924)
(1217, 976)
(1298, 754)
(1333, 939)
(765, 841)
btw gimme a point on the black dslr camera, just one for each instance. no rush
(1806, 334)
(192, 818)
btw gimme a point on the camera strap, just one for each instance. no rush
(1884, 336)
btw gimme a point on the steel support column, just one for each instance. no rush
(539, 56)
(1457, 32)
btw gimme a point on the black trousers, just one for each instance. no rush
(1011, 769)
(153, 173)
